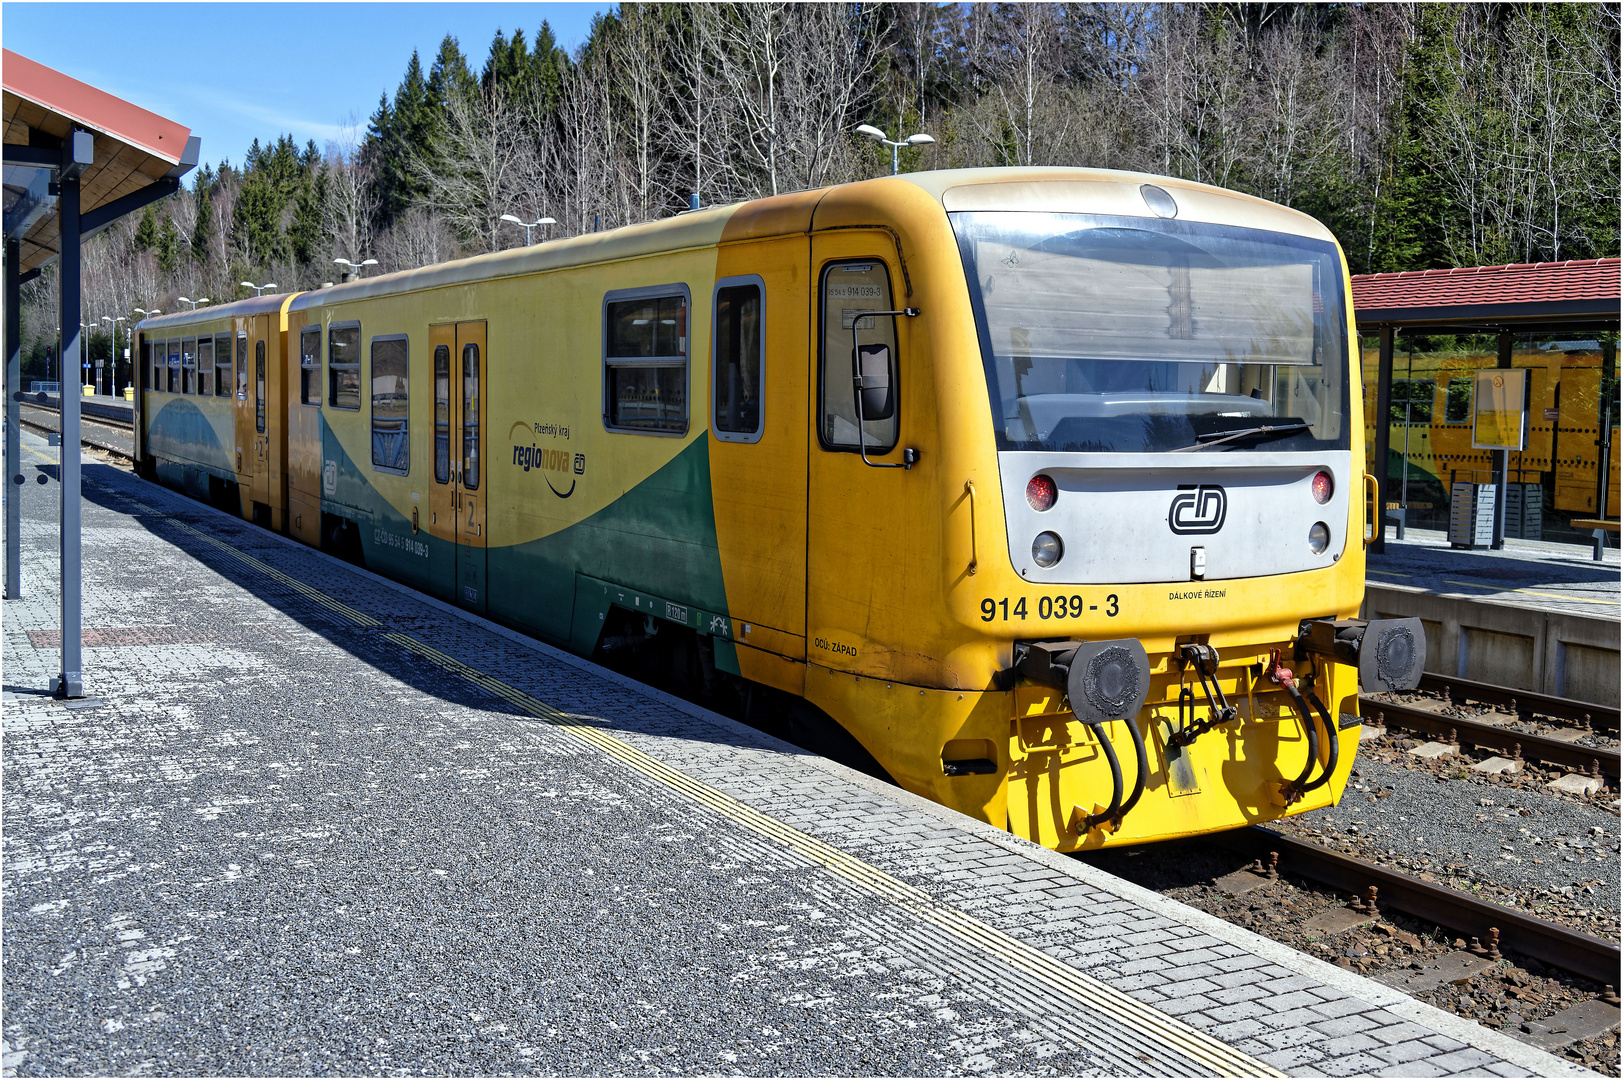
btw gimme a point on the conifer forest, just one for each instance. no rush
(1423, 135)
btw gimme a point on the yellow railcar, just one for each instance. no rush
(1037, 490)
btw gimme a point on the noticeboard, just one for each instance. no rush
(1499, 414)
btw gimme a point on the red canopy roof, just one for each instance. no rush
(1576, 288)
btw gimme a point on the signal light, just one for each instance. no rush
(1324, 485)
(1041, 491)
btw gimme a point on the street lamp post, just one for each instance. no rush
(895, 146)
(112, 351)
(353, 269)
(258, 289)
(528, 225)
(194, 303)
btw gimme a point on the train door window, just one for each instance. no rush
(242, 365)
(738, 360)
(205, 366)
(645, 360)
(1457, 405)
(259, 386)
(222, 365)
(849, 289)
(442, 414)
(310, 365)
(391, 445)
(470, 416)
(173, 349)
(146, 364)
(188, 366)
(344, 365)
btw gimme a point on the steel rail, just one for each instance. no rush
(1570, 950)
(101, 414)
(1603, 717)
(1568, 755)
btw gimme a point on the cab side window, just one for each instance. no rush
(259, 386)
(738, 360)
(242, 365)
(848, 290)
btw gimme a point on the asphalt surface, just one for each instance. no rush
(1531, 573)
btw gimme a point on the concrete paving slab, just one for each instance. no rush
(339, 827)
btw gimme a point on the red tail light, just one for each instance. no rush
(1323, 486)
(1041, 492)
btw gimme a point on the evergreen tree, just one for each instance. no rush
(202, 228)
(304, 234)
(169, 246)
(146, 234)
(549, 67)
(449, 77)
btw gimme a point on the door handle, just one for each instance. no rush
(1372, 530)
(974, 557)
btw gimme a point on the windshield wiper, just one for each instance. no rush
(1266, 431)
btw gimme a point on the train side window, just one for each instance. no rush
(310, 365)
(188, 366)
(849, 289)
(173, 354)
(146, 364)
(738, 359)
(645, 360)
(205, 366)
(1457, 405)
(391, 418)
(442, 414)
(242, 365)
(259, 386)
(222, 365)
(470, 416)
(344, 366)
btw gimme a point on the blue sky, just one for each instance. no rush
(236, 72)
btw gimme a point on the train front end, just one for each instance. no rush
(1179, 462)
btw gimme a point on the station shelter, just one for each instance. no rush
(76, 160)
(1426, 335)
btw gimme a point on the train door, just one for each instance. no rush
(259, 361)
(457, 497)
(854, 510)
(248, 425)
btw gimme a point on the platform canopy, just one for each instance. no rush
(1578, 294)
(137, 156)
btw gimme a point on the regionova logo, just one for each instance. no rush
(1198, 510)
(548, 461)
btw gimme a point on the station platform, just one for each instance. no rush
(1539, 574)
(319, 823)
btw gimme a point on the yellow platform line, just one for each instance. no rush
(1385, 573)
(1532, 592)
(1054, 974)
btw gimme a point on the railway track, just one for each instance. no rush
(1522, 702)
(1527, 935)
(1588, 760)
(115, 436)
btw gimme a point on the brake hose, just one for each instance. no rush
(1281, 675)
(1118, 809)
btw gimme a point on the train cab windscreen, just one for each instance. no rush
(1133, 335)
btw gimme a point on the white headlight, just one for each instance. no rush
(1046, 550)
(1318, 537)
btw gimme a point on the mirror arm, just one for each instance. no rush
(910, 456)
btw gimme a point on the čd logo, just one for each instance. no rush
(1198, 510)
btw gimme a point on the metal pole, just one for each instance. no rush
(78, 151)
(895, 149)
(1383, 438)
(14, 449)
(1501, 457)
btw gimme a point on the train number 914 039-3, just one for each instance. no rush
(1046, 607)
